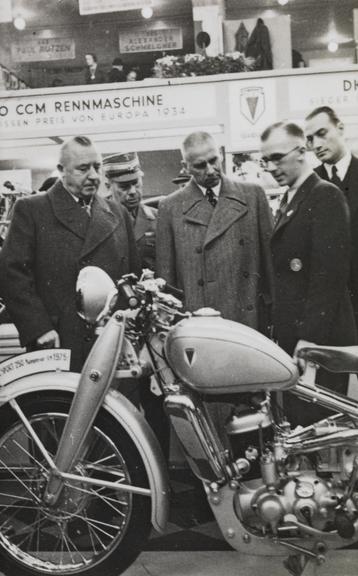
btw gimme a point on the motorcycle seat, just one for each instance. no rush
(332, 358)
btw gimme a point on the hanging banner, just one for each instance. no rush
(98, 6)
(43, 49)
(150, 40)
(105, 110)
(339, 91)
(252, 108)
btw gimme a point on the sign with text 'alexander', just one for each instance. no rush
(105, 110)
(41, 49)
(98, 6)
(145, 40)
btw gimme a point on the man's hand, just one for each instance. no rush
(49, 340)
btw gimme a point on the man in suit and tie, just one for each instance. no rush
(311, 254)
(213, 238)
(325, 137)
(51, 237)
(125, 183)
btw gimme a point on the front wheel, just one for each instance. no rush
(92, 529)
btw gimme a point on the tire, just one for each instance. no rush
(92, 530)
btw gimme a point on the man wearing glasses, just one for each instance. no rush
(311, 252)
(213, 238)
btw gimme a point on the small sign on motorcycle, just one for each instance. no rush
(33, 363)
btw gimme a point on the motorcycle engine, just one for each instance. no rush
(294, 494)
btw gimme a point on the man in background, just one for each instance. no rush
(51, 237)
(117, 73)
(325, 137)
(311, 255)
(125, 183)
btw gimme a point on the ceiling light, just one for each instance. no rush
(333, 46)
(147, 12)
(20, 23)
(282, 2)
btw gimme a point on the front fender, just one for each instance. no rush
(126, 414)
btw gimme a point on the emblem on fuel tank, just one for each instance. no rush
(190, 356)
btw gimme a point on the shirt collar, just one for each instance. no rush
(76, 198)
(215, 189)
(342, 166)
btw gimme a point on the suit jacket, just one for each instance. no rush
(219, 257)
(144, 232)
(144, 227)
(50, 239)
(311, 253)
(350, 189)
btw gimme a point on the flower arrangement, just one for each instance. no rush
(199, 65)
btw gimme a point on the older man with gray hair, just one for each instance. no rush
(213, 238)
(51, 237)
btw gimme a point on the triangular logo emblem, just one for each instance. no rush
(190, 356)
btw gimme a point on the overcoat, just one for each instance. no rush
(311, 254)
(50, 239)
(350, 189)
(220, 257)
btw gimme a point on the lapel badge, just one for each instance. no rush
(190, 356)
(289, 213)
(296, 265)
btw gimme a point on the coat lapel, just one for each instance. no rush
(144, 217)
(67, 211)
(294, 205)
(101, 225)
(196, 209)
(231, 207)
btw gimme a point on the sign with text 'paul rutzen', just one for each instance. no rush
(104, 110)
(98, 6)
(43, 49)
(150, 40)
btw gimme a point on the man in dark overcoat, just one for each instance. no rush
(125, 183)
(51, 237)
(213, 238)
(325, 136)
(311, 256)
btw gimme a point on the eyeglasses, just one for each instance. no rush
(276, 158)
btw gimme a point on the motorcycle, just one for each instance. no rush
(82, 475)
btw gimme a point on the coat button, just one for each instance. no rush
(241, 241)
(198, 249)
(88, 338)
(245, 274)
(250, 307)
(200, 282)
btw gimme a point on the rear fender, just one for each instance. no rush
(126, 414)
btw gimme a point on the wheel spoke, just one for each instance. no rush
(86, 524)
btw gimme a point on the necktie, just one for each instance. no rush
(211, 197)
(335, 179)
(281, 209)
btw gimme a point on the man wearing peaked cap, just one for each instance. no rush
(125, 183)
(124, 180)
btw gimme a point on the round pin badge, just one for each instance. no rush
(296, 265)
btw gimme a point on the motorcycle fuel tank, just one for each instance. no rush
(217, 356)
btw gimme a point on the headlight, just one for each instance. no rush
(96, 294)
